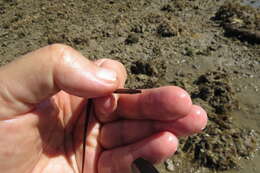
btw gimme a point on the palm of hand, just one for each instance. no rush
(44, 137)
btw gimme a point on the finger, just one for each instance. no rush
(44, 72)
(195, 122)
(106, 106)
(165, 103)
(154, 149)
(129, 131)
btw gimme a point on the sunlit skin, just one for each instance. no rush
(43, 99)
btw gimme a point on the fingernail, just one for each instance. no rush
(109, 105)
(105, 74)
(202, 119)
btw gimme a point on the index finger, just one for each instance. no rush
(164, 103)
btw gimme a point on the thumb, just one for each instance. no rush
(44, 72)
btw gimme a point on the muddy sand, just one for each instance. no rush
(209, 47)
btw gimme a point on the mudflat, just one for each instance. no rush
(211, 48)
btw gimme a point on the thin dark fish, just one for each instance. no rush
(127, 91)
(87, 118)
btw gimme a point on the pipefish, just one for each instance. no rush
(141, 164)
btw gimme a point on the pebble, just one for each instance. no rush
(169, 165)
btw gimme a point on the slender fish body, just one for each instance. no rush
(140, 165)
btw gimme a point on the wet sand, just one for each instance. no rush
(210, 48)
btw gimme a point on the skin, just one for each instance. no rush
(43, 96)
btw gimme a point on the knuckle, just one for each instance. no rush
(59, 47)
(59, 51)
(61, 57)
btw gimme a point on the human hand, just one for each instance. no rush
(42, 107)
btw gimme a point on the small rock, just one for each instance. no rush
(167, 30)
(132, 39)
(167, 8)
(140, 67)
(169, 165)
